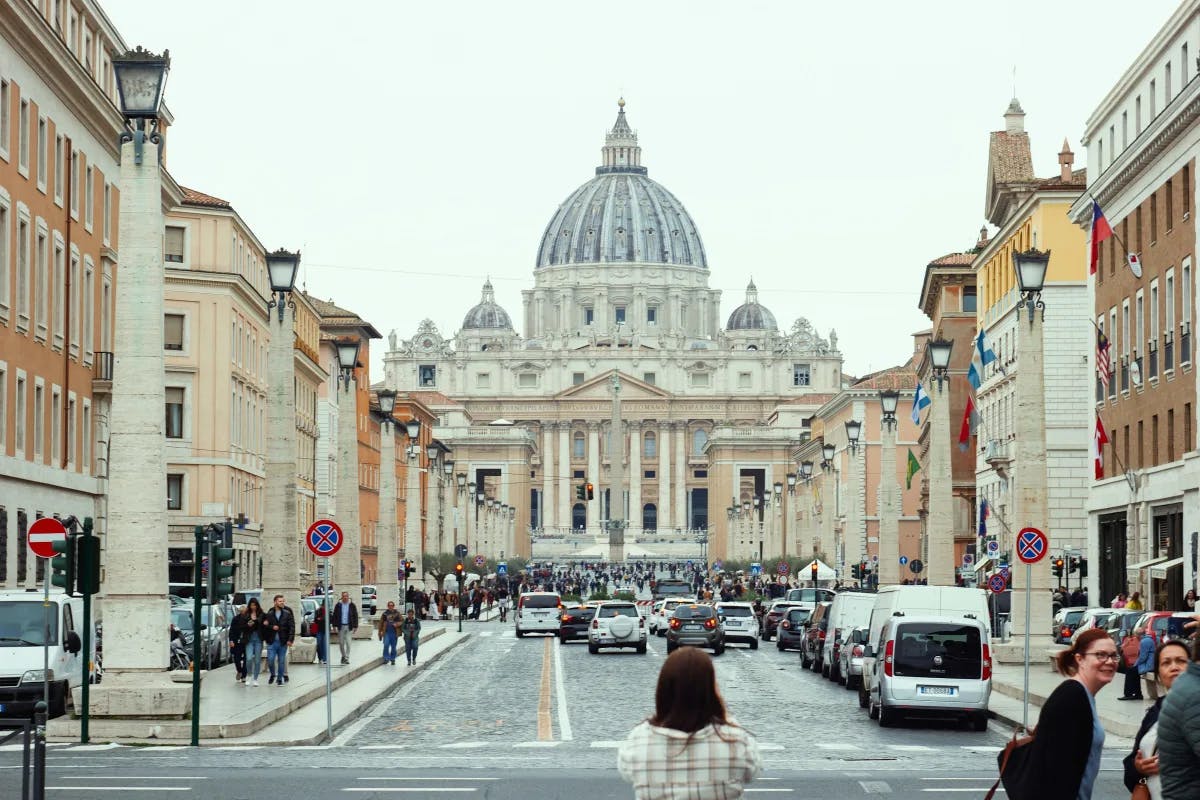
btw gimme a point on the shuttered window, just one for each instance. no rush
(173, 246)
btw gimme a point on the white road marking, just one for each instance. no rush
(609, 743)
(912, 748)
(537, 744)
(130, 778)
(311, 747)
(560, 689)
(85, 748)
(407, 789)
(383, 747)
(238, 747)
(976, 790)
(119, 788)
(486, 633)
(875, 787)
(432, 778)
(770, 747)
(835, 746)
(981, 748)
(463, 745)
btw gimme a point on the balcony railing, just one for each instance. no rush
(1124, 374)
(1153, 360)
(1185, 343)
(1168, 351)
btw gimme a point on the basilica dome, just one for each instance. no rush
(621, 215)
(487, 315)
(751, 315)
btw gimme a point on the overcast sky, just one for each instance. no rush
(828, 149)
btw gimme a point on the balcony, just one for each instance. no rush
(1168, 351)
(1185, 343)
(997, 456)
(103, 373)
(1152, 359)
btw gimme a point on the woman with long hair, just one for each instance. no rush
(1141, 765)
(255, 619)
(690, 746)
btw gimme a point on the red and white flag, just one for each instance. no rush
(1100, 439)
(1103, 358)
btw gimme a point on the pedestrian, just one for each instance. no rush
(254, 620)
(1179, 734)
(1130, 650)
(1189, 600)
(1064, 756)
(237, 643)
(690, 747)
(1120, 601)
(1145, 662)
(1135, 602)
(280, 629)
(319, 618)
(410, 630)
(345, 615)
(1141, 765)
(389, 631)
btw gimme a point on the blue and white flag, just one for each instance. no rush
(920, 400)
(981, 356)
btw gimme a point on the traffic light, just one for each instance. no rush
(856, 571)
(581, 492)
(1083, 568)
(63, 564)
(1057, 567)
(458, 571)
(590, 491)
(409, 569)
(87, 571)
(1073, 567)
(220, 574)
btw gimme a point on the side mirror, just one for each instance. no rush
(74, 645)
(868, 652)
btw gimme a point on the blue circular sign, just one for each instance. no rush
(997, 583)
(324, 538)
(1031, 545)
(903, 560)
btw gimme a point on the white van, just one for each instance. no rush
(808, 597)
(22, 624)
(850, 610)
(937, 666)
(538, 612)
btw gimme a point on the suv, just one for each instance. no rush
(790, 633)
(369, 598)
(617, 624)
(538, 611)
(774, 615)
(812, 651)
(695, 625)
(653, 615)
(666, 609)
(574, 622)
(740, 623)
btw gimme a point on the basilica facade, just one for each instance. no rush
(711, 406)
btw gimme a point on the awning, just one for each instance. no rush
(983, 564)
(1150, 563)
(1159, 572)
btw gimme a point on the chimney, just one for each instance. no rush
(1065, 161)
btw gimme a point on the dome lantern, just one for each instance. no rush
(751, 315)
(487, 314)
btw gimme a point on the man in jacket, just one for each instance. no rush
(410, 629)
(345, 621)
(1179, 734)
(1145, 664)
(279, 629)
(389, 630)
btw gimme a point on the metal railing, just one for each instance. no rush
(104, 365)
(32, 734)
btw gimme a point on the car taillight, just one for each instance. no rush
(566, 618)
(837, 635)
(710, 623)
(674, 623)
(888, 653)
(641, 622)
(1066, 631)
(785, 624)
(987, 663)
(595, 624)
(857, 651)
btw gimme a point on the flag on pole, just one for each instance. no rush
(1100, 439)
(984, 513)
(920, 400)
(914, 467)
(981, 356)
(970, 424)
(1103, 357)
(1100, 231)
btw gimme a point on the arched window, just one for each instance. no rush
(650, 517)
(577, 445)
(579, 516)
(699, 439)
(650, 445)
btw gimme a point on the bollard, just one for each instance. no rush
(39, 751)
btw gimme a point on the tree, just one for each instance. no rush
(439, 566)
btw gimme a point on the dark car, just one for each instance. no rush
(774, 616)
(573, 624)
(813, 648)
(695, 625)
(1120, 624)
(790, 633)
(1065, 623)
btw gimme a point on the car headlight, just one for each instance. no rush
(37, 676)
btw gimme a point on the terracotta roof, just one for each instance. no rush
(191, 197)
(1078, 180)
(432, 399)
(953, 260)
(327, 310)
(902, 378)
(1009, 157)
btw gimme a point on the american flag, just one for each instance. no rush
(1103, 363)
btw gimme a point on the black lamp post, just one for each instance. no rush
(412, 427)
(387, 404)
(282, 267)
(939, 355)
(853, 432)
(1031, 266)
(828, 451)
(141, 78)
(806, 471)
(347, 353)
(889, 399)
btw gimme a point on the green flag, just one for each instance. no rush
(913, 467)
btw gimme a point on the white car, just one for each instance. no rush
(617, 624)
(740, 623)
(652, 619)
(663, 610)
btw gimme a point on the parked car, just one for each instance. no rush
(740, 623)
(666, 610)
(775, 614)
(308, 612)
(617, 624)
(809, 597)
(574, 622)
(370, 600)
(24, 645)
(695, 625)
(1120, 623)
(1065, 622)
(214, 639)
(850, 656)
(850, 609)
(813, 647)
(1166, 626)
(1092, 618)
(792, 629)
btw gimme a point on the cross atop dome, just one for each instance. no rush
(621, 152)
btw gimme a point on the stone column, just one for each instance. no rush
(664, 476)
(278, 544)
(635, 474)
(564, 474)
(548, 521)
(851, 535)
(135, 583)
(386, 545)
(413, 503)
(939, 526)
(679, 515)
(889, 509)
(593, 475)
(347, 574)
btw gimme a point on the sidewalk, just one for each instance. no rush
(1120, 719)
(294, 714)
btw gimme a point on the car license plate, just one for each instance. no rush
(947, 691)
(691, 627)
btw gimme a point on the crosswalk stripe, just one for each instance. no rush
(538, 744)
(463, 745)
(607, 744)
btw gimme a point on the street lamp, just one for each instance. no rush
(1031, 266)
(141, 77)
(347, 353)
(806, 471)
(745, 506)
(412, 428)
(889, 399)
(387, 404)
(448, 467)
(853, 431)
(828, 451)
(778, 490)
(791, 482)
(282, 267)
(939, 355)
(462, 482)
(431, 452)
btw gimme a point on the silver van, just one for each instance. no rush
(538, 612)
(931, 666)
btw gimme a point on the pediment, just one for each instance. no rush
(600, 388)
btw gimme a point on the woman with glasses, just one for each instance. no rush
(1141, 765)
(1064, 757)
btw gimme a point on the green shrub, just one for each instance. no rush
(629, 596)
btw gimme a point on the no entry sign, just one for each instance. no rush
(324, 538)
(43, 533)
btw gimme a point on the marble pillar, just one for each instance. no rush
(889, 509)
(664, 476)
(939, 525)
(679, 484)
(564, 474)
(413, 504)
(635, 474)
(279, 541)
(593, 475)
(386, 578)
(345, 566)
(546, 505)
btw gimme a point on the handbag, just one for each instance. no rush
(1013, 761)
(1140, 792)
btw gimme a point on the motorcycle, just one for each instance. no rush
(180, 657)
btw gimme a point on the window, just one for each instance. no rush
(1185, 322)
(107, 212)
(652, 315)
(651, 474)
(86, 439)
(1124, 129)
(588, 315)
(1170, 200)
(576, 378)
(969, 299)
(1139, 326)
(619, 314)
(55, 425)
(1167, 83)
(700, 473)
(59, 173)
(1137, 107)
(5, 131)
(174, 420)
(173, 331)
(39, 421)
(1153, 99)
(1186, 177)
(75, 184)
(527, 380)
(3, 410)
(174, 491)
(743, 380)
(801, 375)
(74, 299)
(1169, 321)
(1138, 231)
(700, 379)
(650, 445)
(650, 517)
(173, 244)
(23, 138)
(41, 281)
(427, 375)
(19, 443)
(89, 199)
(1100, 152)
(1187, 428)
(43, 153)
(58, 311)
(649, 377)
(1153, 218)
(1183, 64)
(1170, 434)
(577, 446)
(89, 312)
(483, 380)
(1125, 345)
(699, 439)
(4, 242)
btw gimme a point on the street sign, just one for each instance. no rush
(997, 583)
(782, 568)
(43, 533)
(502, 568)
(993, 548)
(480, 561)
(916, 566)
(324, 538)
(460, 550)
(903, 560)
(756, 568)
(874, 558)
(717, 564)
(1004, 571)
(1031, 545)
(968, 559)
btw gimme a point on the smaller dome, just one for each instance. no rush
(488, 314)
(750, 315)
